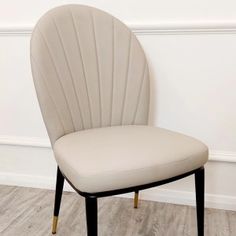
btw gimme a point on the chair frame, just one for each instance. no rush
(91, 198)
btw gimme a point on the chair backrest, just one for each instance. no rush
(89, 71)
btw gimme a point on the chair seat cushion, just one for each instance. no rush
(103, 159)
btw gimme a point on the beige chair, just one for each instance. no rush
(92, 82)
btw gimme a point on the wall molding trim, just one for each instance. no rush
(169, 28)
(222, 156)
(176, 28)
(25, 141)
(15, 30)
(160, 194)
(214, 155)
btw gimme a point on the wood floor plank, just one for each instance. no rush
(28, 211)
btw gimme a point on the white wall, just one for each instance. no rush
(191, 48)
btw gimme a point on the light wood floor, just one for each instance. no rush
(28, 211)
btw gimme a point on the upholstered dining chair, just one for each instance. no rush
(92, 82)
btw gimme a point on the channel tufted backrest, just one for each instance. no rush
(89, 71)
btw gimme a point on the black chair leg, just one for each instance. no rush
(57, 202)
(91, 216)
(200, 189)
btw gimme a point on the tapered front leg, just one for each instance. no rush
(57, 202)
(91, 216)
(200, 190)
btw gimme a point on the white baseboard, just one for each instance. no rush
(159, 194)
(30, 181)
(187, 198)
(27, 180)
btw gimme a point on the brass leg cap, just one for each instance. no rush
(136, 200)
(54, 225)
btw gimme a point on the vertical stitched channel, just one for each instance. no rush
(113, 64)
(140, 91)
(57, 73)
(126, 80)
(83, 67)
(70, 72)
(98, 68)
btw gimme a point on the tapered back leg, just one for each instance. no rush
(58, 195)
(200, 189)
(91, 216)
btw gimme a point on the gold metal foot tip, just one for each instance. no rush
(54, 225)
(136, 200)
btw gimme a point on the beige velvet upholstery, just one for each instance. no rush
(89, 71)
(92, 83)
(117, 157)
